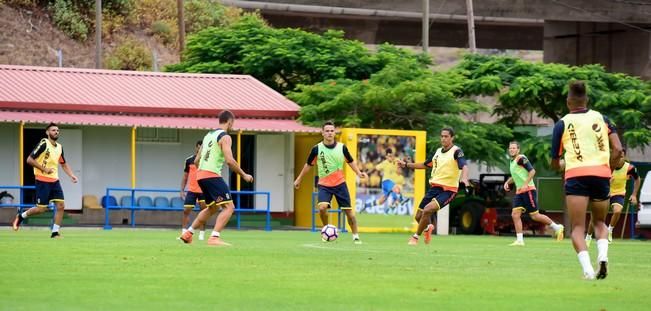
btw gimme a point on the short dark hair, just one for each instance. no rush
(329, 122)
(225, 116)
(577, 93)
(199, 143)
(388, 151)
(449, 130)
(515, 142)
(50, 125)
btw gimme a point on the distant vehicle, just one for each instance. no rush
(486, 208)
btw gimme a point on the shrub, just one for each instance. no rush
(69, 20)
(166, 31)
(130, 54)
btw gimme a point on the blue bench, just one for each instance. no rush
(134, 205)
(21, 197)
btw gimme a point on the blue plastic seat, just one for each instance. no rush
(145, 201)
(126, 201)
(161, 202)
(177, 202)
(109, 201)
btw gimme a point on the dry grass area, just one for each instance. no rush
(30, 38)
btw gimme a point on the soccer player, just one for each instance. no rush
(329, 157)
(214, 151)
(621, 174)
(389, 168)
(448, 166)
(522, 174)
(589, 146)
(193, 194)
(45, 159)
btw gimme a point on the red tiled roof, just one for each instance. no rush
(99, 119)
(111, 91)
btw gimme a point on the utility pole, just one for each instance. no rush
(471, 27)
(98, 34)
(425, 24)
(179, 8)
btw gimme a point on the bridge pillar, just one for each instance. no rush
(619, 48)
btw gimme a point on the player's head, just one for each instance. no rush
(389, 153)
(226, 118)
(577, 95)
(514, 148)
(197, 146)
(328, 131)
(52, 131)
(447, 136)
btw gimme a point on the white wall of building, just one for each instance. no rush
(106, 162)
(274, 168)
(9, 156)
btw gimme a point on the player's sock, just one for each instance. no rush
(183, 230)
(55, 228)
(519, 237)
(415, 236)
(555, 226)
(190, 229)
(602, 250)
(355, 236)
(201, 234)
(610, 229)
(23, 215)
(214, 234)
(584, 260)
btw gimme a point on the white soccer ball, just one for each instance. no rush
(329, 233)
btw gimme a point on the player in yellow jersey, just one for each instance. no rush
(522, 173)
(390, 177)
(329, 156)
(624, 171)
(46, 158)
(194, 194)
(589, 146)
(216, 150)
(448, 169)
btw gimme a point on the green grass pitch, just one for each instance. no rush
(149, 269)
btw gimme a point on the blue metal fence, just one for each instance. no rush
(341, 219)
(133, 207)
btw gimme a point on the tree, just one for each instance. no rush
(282, 58)
(405, 95)
(524, 87)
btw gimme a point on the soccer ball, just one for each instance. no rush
(329, 233)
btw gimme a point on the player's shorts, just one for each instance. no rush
(340, 192)
(596, 188)
(617, 199)
(47, 192)
(215, 191)
(526, 201)
(191, 199)
(387, 186)
(442, 197)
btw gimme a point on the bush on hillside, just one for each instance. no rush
(165, 30)
(130, 54)
(69, 20)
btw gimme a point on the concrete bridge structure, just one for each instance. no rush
(615, 33)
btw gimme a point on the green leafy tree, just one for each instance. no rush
(524, 87)
(405, 95)
(282, 58)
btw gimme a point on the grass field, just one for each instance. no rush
(293, 270)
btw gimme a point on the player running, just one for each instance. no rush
(589, 146)
(214, 152)
(522, 173)
(45, 159)
(193, 194)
